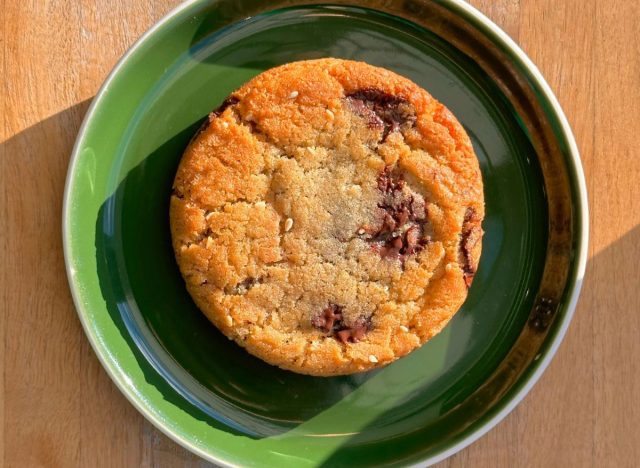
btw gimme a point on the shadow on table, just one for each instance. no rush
(45, 148)
(41, 149)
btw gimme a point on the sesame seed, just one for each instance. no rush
(360, 231)
(225, 124)
(330, 114)
(288, 224)
(229, 320)
(208, 215)
(354, 190)
(403, 328)
(293, 95)
(373, 359)
(209, 242)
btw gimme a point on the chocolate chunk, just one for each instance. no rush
(330, 317)
(390, 181)
(402, 216)
(412, 240)
(389, 224)
(356, 332)
(471, 232)
(331, 320)
(389, 251)
(244, 286)
(360, 107)
(383, 111)
(392, 248)
(343, 335)
(230, 101)
(401, 219)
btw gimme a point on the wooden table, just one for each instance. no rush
(59, 408)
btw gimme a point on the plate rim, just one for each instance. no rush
(548, 348)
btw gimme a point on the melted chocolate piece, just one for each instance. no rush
(412, 238)
(388, 183)
(392, 248)
(230, 101)
(383, 111)
(355, 332)
(244, 286)
(330, 317)
(330, 320)
(402, 216)
(468, 239)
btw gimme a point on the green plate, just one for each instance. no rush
(210, 395)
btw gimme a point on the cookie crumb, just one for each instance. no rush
(288, 224)
(293, 95)
(403, 328)
(372, 358)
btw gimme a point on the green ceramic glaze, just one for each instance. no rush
(205, 391)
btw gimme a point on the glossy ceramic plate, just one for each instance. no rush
(210, 395)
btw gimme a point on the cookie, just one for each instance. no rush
(327, 216)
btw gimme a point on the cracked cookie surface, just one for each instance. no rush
(327, 216)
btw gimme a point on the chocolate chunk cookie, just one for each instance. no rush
(327, 217)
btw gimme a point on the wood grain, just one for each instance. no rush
(59, 409)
